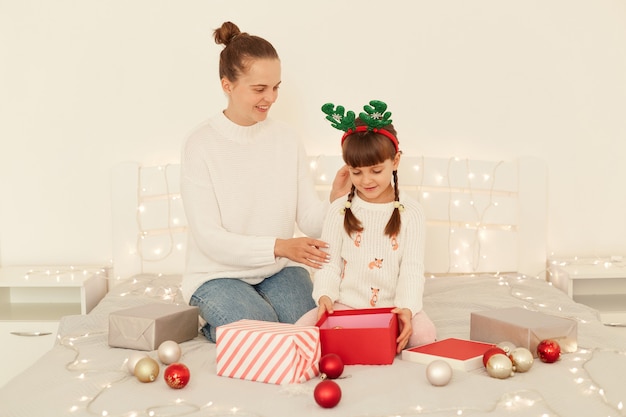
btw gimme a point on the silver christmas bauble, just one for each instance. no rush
(169, 352)
(439, 372)
(133, 359)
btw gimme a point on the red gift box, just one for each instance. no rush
(361, 336)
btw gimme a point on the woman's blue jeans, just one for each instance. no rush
(283, 297)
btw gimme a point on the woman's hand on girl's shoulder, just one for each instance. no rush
(341, 184)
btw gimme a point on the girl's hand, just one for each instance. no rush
(304, 250)
(341, 184)
(325, 305)
(404, 322)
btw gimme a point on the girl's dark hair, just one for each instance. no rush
(364, 149)
(240, 49)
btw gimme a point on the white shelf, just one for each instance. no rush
(34, 298)
(37, 311)
(48, 293)
(612, 307)
(598, 283)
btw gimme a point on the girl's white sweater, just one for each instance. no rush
(370, 269)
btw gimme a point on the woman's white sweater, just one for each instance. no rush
(242, 188)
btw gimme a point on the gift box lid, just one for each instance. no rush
(461, 354)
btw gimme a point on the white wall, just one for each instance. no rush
(85, 84)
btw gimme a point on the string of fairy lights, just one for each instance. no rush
(479, 224)
(468, 223)
(156, 241)
(148, 199)
(93, 401)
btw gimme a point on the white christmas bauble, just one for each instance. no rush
(506, 346)
(439, 372)
(169, 352)
(133, 359)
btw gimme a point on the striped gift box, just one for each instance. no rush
(274, 353)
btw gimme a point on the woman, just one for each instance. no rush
(245, 185)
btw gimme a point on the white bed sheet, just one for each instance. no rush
(83, 376)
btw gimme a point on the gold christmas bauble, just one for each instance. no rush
(499, 366)
(147, 369)
(522, 359)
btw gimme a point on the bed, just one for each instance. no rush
(486, 242)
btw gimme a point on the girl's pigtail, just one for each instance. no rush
(350, 223)
(394, 223)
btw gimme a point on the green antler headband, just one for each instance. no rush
(375, 117)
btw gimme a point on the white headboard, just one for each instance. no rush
(482, 216)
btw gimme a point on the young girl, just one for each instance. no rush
(245, 182)
(375, 235)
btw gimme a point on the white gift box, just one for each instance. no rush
(523, 328)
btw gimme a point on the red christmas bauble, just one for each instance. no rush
(331, 366)
(327, 393)
(549, 350)
(176, 375)
(490, 352)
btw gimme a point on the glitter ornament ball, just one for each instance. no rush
(522, 359)
(133, 359)
(176, 375)
(439, 373)
(327, 394)
(331, 366)
(169, 352)
(549, 350)
(499, 366)
(490, 352)
(147, 369)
